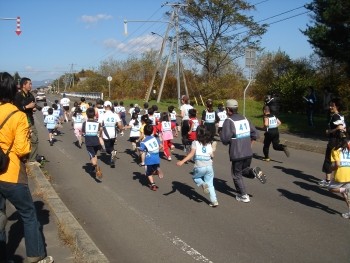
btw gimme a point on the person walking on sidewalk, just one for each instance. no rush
(203, 173)
(272, 135)
(341, 165)
(25, 102)
(336, 122)
(239, 133)
(14, 138)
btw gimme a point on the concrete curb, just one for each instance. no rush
(83, 245)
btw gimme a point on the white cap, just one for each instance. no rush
(107, 103)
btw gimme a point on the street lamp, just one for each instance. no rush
(109, 79)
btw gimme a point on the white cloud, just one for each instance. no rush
(135, 45)
(94, 19)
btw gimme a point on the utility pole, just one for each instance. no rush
(176, 12)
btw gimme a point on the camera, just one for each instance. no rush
(38, 107)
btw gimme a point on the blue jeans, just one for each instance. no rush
(19, 195)
(203, 175)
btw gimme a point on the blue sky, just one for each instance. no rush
(59, 33)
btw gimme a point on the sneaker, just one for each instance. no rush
(122, 133)
(266, 159)
(259, 174)
(153, 187)
(114, 155)
(169, 158)
(346, 215)
(243, 198)
(213, 145)
(51, 143)
(286, 151)
(98, 172)
(205, 188)
(112, 163)
(47, 259)
(324, 183)
(172, 147)
(214, 204)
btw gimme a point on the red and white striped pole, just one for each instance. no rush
(18, 28)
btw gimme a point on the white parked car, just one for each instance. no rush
(40, 96)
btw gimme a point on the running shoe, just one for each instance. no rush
(47, 259)
(205, 188)
(243, 198)
(51, 143)
(286, 151)
(259, 174)
(324, 183)
(114, 155)
(346, 215)
(266, 159)
(153, 187)
(172, 147)
(169, 158)
(214, 204)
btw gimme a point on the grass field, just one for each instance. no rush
(291, 122)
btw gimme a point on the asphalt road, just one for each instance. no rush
(289, 219)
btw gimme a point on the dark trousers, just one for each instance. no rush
(327, 163)
(274, 138)
(109, 145)
(238, 170)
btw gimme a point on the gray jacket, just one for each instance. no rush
(238, 132)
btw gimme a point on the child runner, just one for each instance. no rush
(340, 158)
(151, 145)
(193, 123)
(65, 105)
(56, 113)
(45, 109)
(78, 121)
(156, 113)
(203, 173)
(210, 118)
(172, 116)
(134, 126)
(91, 131)
(222, 116)
(50, 122)
(122, 115)
(271, 123)
(110, 122)
(166, 134)
(144, 121)
(153, 120)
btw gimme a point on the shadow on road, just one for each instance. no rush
(305, 200)
(188, 191)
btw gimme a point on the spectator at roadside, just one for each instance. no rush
(310, 99)
(25, 102)
(14, 137)
(336, 122)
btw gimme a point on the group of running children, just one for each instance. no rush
(152, 131)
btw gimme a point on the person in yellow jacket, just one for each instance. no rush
(14, 181)
(340, 158)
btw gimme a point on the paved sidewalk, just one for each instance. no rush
(56, 218)
(58, 224)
